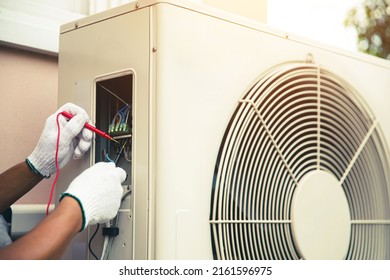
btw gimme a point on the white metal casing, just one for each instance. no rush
(192, 65)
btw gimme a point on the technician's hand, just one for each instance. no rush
(98, 191)
(74, 140)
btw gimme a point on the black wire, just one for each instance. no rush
(90, 241)
(120, 152)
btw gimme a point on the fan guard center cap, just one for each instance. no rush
(320, 217)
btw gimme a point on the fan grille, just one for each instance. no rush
(298, 118)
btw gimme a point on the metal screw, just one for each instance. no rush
(76, 25)
(154, 49)
(309, 58)
(137, 5)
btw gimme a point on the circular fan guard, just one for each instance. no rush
(296, 119)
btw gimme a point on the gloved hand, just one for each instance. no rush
(74, 140)
(98, 191)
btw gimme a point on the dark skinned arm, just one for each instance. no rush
(16, 182)
(49, 239)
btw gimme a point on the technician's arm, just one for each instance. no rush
(74, 141)
(50, 238)
(93, 197)
(15, 182)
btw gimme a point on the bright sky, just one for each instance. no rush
(321, 20)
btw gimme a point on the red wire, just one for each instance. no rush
(57, 167)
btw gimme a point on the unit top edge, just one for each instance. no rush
(124, 9)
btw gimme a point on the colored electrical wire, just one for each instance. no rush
(122, 115)
(108, 158)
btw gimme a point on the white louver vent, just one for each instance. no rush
(296, 120)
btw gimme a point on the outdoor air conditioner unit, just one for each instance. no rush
(240, 141)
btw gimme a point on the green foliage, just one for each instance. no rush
(372, 22)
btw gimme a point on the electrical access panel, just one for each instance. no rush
(113, 107)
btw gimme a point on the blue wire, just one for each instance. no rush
(123, 109)
(124, 112)
(108, 158)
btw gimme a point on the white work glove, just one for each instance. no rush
(98, 191)
(74, 140)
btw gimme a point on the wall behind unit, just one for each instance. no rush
(28, 92)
